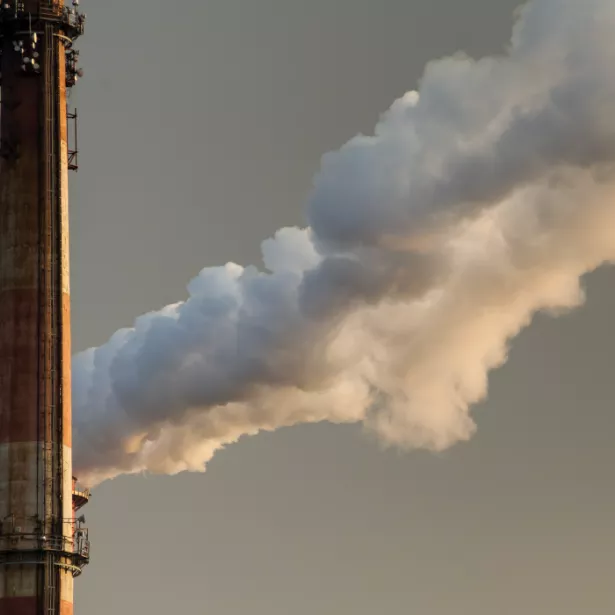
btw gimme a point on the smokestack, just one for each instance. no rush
(40, 550)
(479, 200)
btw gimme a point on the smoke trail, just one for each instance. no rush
(477, 202)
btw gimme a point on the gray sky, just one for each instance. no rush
(202, 124)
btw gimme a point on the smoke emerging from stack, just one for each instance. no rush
(479, 201)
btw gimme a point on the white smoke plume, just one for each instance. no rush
(480, 200)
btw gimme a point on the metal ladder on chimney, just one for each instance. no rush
(51, 408)
(50, 582)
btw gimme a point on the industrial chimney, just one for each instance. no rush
(42, 545)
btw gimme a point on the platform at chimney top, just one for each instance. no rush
(69, 19)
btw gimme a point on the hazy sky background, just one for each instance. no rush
(202, 124)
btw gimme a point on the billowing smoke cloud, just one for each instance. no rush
(479, 201)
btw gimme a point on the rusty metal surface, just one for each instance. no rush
(19, 247)
(18, 361)
(66, 350)
(35, 414)
(67, 384)
(66, 608)
(66, 592)
(19, 606)
(20, 308)
(18, 582)
(19, 470)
